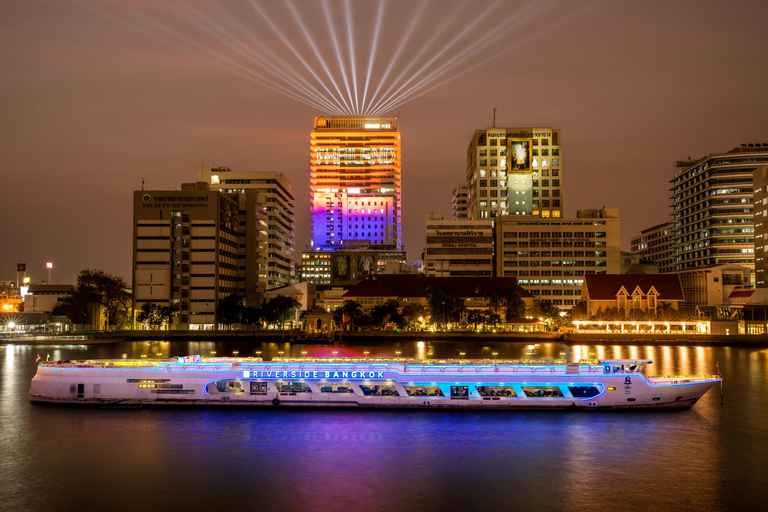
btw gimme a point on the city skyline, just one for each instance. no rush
(94, 108)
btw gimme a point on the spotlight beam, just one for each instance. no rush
(351, 44)
(398, 51)
(372, 56)
(290, 46)
(187, 45)
(451, 44)
(215, 30)
(316, 51)
(332, 30)
(494, 56)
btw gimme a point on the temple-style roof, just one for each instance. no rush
(607, 286)
(409, 285)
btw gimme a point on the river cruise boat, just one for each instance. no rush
(366, 382)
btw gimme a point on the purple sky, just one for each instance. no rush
(92, 100)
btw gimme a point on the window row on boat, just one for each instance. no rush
(411, 390)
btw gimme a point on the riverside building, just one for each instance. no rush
(355, 181)
(266, 237)
(458, 248)
(712, 198)
(185, 247)
(515, 171)
(655, 244)
(760, 182)
(550, 257)
(459, 202)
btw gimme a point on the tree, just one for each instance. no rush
(476, 317)
(230, 310)
(97, 288)
(252, 316)
(383, 313)
(413, 315)
(444, 304)
(151, 315)
(351, 311)
(280, 309)
(548, 312)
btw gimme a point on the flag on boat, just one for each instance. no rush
(38, 358)
(48, 358)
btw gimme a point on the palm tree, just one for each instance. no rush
(351, 311)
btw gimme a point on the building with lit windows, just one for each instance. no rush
(760, 183)
(355, 181)
(458, 248)
(712, 199)
(655, 244)
(515, 171)
(266, 244)
(350, 263)
(185, 246)
(550, 256)
(459, 204)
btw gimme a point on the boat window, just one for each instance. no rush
(336, 387)
(293, 387)
(229, 386)
(583, 391)
(258, 388)
(460, 392)
(630, 399)
(631, 367)
(379, 390)
(424, 391)
(618, 368)
(542, 391)
(496, 391)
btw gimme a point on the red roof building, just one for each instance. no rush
(626, 292)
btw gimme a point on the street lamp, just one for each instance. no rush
(494, 354)
(365, 353)
(443, 314)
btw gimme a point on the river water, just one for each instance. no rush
(710, 457)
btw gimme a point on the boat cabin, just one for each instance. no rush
(624, 366)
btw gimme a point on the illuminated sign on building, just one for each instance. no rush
(519, 155)
(356, 156)
(303, 374)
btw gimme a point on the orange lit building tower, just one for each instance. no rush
(355, 181)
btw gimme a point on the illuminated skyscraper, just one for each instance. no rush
(355, 181)
(515, 171)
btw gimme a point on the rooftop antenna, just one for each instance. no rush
(494, 116)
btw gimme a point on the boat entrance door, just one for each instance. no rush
(459, 392)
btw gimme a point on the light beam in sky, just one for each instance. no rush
(313, 52)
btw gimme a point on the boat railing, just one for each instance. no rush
(682, 379)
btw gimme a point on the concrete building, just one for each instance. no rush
(458, 248)
(655, 244)
(708, 286)
(760, 185)
(44, 297)
(515, 171)
(350, 263)
(355, 181)
(266, 237)
(185, 251)
(551, 256)
(712, 198)
(459, 202)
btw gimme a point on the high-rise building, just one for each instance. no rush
(355, 181)
(266, 235)
(515, 171)
(760, 182)
(185, 251)
(550, 257)
(655, 244)
(459, 193)
(458, 248)
(712, 199)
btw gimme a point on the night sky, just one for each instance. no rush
(95, 96)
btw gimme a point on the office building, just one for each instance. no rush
(551, 256)
(458, 248)
(459, 204)
(655, 244)
(515, 171)
(760, 184)
(712, 199)
(185, 247)
(355, 181)
(266, 238)
(350, 263)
